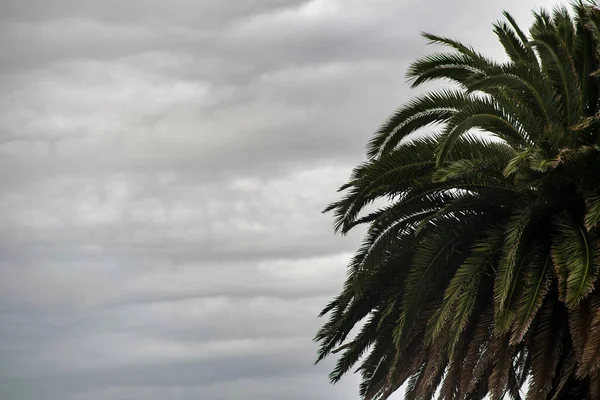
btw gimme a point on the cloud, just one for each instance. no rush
(163, 167)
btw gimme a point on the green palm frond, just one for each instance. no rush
(464, 285)
(479, 271)
(546, 348)
(593, 211)
(537, 279)
(430, 108)
(575, 252)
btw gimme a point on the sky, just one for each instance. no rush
(163, 166)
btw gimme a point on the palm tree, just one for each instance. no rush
(480, 275)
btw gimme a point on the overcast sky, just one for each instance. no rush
(163, 165)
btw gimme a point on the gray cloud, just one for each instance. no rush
(162, 171)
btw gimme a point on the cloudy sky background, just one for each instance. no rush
(163, 165)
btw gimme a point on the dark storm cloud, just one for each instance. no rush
(163, 166)
(132, 11)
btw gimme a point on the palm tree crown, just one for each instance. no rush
(481, 272)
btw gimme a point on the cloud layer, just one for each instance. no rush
(163, 166)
